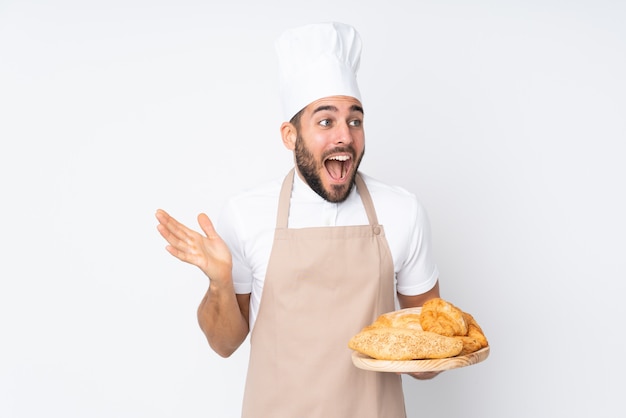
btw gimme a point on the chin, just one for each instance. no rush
(337, 193)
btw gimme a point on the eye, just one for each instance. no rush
(324, 122)
(356, 123)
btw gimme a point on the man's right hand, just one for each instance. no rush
(208, 252)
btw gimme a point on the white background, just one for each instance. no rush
(507, 118)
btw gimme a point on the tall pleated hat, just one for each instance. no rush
(316, 61)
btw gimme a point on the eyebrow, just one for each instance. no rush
(353, 108)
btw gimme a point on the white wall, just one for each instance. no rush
(506, 118)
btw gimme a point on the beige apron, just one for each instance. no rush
(322, 286)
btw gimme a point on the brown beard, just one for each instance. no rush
(309, 169)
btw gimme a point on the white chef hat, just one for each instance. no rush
(316, 61)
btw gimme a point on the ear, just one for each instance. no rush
(289, 134)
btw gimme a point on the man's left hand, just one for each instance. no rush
(423, 375)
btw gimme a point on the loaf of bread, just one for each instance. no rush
(406, 318)
(386, 343)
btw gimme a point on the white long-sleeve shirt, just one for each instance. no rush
(248, 221)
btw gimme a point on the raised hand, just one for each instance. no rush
(208, 252)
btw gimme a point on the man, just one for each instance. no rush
(302, 262)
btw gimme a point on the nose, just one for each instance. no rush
(343, 134)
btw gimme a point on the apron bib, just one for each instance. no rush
(322, 286)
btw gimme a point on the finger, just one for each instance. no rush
(183, 242)
(181, 255)
(161, 213)
(424, 375)
(162, 216)
(170, 228)
(207, 226)
(167, 234)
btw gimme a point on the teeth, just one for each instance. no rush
(340, 158)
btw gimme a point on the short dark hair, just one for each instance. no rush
(295, 120)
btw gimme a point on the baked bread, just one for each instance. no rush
(399, 319)
(443, 318)
(475, 338)
(436, 330)
(385, 343)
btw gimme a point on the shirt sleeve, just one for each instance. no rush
(230, 228)
(419, 273)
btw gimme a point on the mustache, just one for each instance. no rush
(345, 149)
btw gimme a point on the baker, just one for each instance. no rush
(306, 261)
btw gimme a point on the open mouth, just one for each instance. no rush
(338, 166)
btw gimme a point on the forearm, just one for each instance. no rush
(223, 318)
(418, 300)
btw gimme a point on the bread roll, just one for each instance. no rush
(475, 339)
(443, 318)
(399, 319)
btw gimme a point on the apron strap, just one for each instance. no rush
(366, 198)
(282, 218)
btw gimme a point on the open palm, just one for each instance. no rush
(208, 252)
